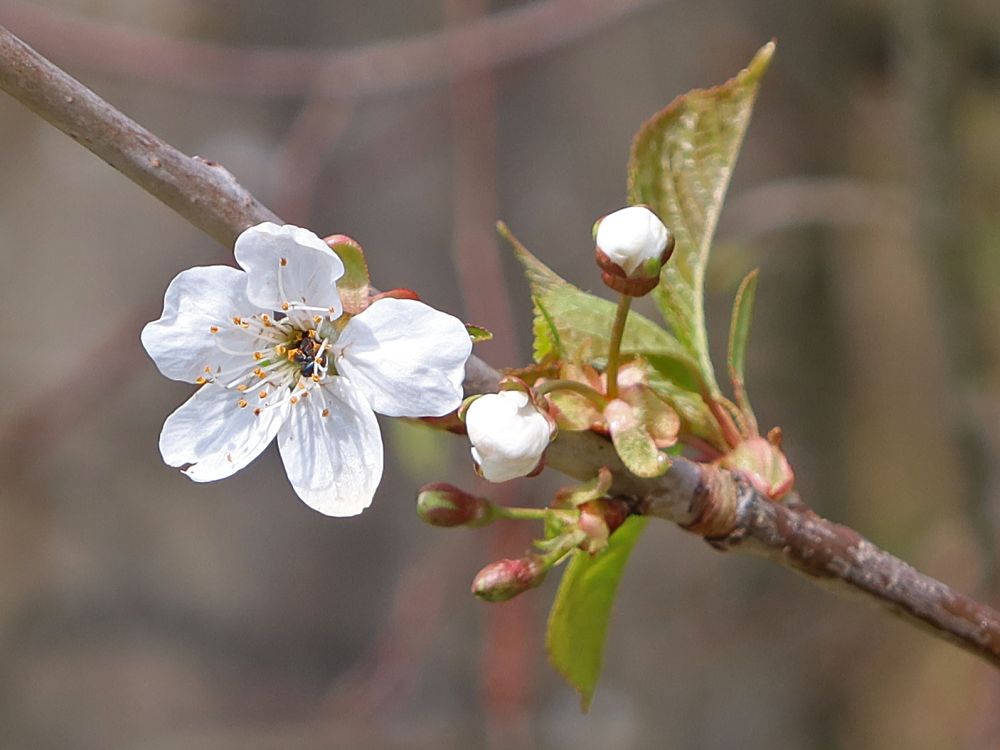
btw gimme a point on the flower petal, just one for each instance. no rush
(332, 449)
(406, 357)
(196, 329)
(219, 431)
(289, 267)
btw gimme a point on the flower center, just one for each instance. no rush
(309, 353)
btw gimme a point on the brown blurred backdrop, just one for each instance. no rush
(140, 610)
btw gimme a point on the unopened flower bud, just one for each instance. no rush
(505, 579)
(442, 504)
(632, 245)
(508, 433)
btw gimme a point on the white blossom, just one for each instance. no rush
(631, 236)
(273, 357)
(508, 434)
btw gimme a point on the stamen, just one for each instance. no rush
(243, 403)
(325, 413)
(213, 329)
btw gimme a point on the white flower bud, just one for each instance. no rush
(508, 434)
(631, 236)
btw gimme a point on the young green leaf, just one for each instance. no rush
(680, 167)
(478, 334)
(578, 621)
(739, 331)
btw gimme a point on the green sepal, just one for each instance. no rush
(355, 285)
(596, 488)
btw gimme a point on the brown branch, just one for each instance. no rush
(364, 71)
(713, 503)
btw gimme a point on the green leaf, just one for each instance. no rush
(478, 334)
(578, 621)
(680, 166)
(739, 331)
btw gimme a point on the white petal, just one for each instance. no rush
(508, 434)
(631, 236)
(501, 469)
(334, 462)
(216, 435)
(289, 266)
(198, 301)
(406, 357)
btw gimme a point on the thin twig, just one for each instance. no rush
(713, 503)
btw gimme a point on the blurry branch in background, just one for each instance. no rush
(704, 499)
(364, 71)
(301, 158)
(510, 638)
(829, 201)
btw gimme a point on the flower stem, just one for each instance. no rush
(591, 394)
(614, 349)
(520, 514)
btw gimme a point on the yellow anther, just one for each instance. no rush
(262, 394)
(326, 412)
(243, 403)
(266, 320)
(284, 306)
(242, 387)
(213, 329)
(258, 356)
(318, 319)
(294, 399)
(200, 380)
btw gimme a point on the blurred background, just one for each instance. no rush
(140, 610)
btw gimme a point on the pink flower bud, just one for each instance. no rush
(505, 579)
(442, 504)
